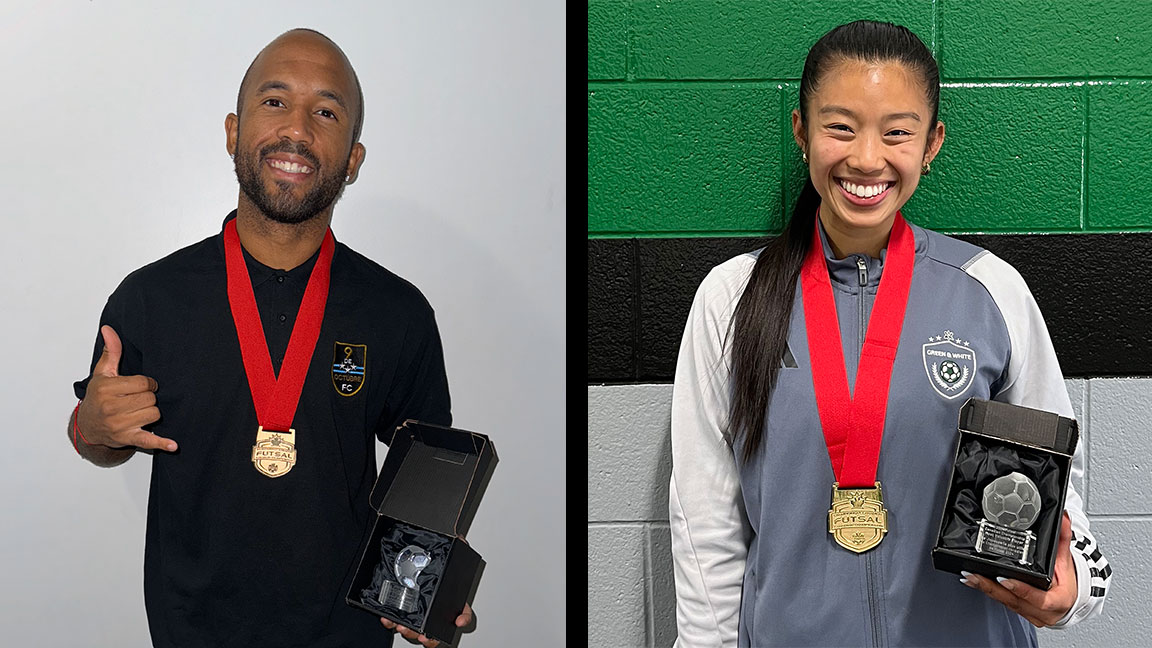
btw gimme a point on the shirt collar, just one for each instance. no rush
(847, 271)
(260, 273)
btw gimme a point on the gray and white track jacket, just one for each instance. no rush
(754, 562)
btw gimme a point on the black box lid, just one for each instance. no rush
(1020, 424)
(434, 476)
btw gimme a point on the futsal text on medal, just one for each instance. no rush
(275, 452)
(857, 519)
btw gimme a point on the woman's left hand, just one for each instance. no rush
(1041, 608)
(465, 619)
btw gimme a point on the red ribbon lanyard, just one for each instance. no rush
(275, 397)
(854, 427)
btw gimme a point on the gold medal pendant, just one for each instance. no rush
(858, 519)
(275, 452)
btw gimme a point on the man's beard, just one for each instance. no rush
(281, 206)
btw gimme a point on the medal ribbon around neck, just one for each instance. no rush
(275, 397)
(854, 427)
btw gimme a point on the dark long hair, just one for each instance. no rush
(763, 316)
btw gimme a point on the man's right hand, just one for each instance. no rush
(116, 408)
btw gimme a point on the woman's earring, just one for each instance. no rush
(927, 168)
(804, 156)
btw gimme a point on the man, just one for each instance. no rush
(259, 366)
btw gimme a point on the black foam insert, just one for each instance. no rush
(394, 537)
(980, 460)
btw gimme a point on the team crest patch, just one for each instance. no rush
(950, 364)
(348, 363)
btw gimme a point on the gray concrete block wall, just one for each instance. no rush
(629, 465)
(631, 597)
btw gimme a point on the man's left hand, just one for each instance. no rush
(465, 619)
(1041, 608)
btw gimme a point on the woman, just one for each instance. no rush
(763, 423)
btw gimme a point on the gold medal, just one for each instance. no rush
(275, 452)
(858, 519)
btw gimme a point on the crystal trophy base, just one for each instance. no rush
(398, 597)
(997, 540)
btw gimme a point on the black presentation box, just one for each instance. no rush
(996, 439)
(427, 493)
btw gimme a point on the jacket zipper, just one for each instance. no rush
(869, 558)
(862, 275)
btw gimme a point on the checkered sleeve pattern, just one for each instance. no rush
(1098, 565)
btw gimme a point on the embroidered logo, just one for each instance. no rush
(950, 364)
(348, 367)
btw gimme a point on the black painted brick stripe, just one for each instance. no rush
(1095, 291)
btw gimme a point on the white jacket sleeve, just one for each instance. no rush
(1034, 380)
(710, 532)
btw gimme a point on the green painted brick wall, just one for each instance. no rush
(1047, 104)
(1011, 161)
(746, 39)
(1006, 39)
(1120, 155)
(607, 39)
(672, 158)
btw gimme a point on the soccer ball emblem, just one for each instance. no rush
(409, 563)
(950, 371)
(1012, 501)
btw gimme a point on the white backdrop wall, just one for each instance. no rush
(113, 156)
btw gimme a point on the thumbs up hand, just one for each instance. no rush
(115, 408)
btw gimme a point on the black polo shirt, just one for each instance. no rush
(232, 557)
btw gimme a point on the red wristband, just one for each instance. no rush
(76, 434)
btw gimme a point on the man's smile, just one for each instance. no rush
(289, 169)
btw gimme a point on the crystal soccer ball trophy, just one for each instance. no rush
(1011, 504)
(403, 593)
